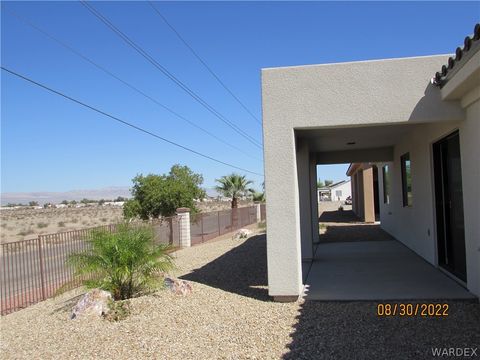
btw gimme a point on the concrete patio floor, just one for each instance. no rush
(376, 270)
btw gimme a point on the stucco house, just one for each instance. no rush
(338, 191)
(415, 121)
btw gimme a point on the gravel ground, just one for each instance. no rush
(229, 316)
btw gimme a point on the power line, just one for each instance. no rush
(79, 54)
(124, 122)
(168, 74)
(203, 62)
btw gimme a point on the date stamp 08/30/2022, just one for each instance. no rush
(413, 309)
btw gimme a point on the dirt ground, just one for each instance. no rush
(24, 224)
(229, 315)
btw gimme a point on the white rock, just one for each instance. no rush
(242, 234)
(93, 302)
(177, 286)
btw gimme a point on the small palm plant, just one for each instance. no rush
(233, 186)
(125, 262)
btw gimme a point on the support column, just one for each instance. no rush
(184, 221)
(368, 197)
(258, 209)
(314, 199)
(304, 193)
(283, 218)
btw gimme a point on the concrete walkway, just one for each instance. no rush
(376, 270)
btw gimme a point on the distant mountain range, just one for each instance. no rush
(42, 197)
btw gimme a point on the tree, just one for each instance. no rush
(162, 195)
(320, 184)
(258, 196)
(64, 202)
(33, 203)
(125, 263)
(120, 199)
(328, 182)
(233, 186)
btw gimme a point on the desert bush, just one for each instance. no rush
(126, 263)
(42, 225)
(26, 232)
(262, 225)
(61, 224)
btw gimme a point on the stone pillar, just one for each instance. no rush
(258, 205)
(184, 220)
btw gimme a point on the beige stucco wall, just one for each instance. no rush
(469, 147)
(415, 226)
(320, 96)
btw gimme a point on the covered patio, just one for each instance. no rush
(358, 261)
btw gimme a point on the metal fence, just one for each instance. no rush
(206, 226)
(33, 270)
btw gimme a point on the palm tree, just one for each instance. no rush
(125, 262)
(233, 186)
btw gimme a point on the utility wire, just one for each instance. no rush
(203, 62)
(124, 122)
(162, 69)
(79, 54)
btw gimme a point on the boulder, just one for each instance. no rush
(177, 286)
(93, 302)
(242, 234)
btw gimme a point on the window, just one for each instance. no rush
(406, 179)
(386, 184)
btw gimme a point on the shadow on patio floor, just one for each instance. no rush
(337, 216)
(350, 233)
(242, 270)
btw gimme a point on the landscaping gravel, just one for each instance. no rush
(230, 316)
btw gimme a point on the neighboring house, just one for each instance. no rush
(335, 192)
(422, 134)
(324, 194)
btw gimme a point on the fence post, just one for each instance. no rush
(201, 219)
(42, 273)
(170, 222)
(258, 205)
(184, 221)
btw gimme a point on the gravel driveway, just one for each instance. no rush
(229, 316)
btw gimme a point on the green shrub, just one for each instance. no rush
(42, 225)
(26, 232)
(118, 310)
(262, 225)
(126, 263)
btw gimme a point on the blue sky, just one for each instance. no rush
(51, 144)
